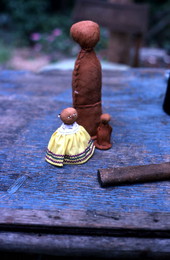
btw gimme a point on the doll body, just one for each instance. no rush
(70, 143)
(104, 131)
(86, 81)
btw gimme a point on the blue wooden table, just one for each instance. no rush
(65, 211)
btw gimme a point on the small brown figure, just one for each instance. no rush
(70, 143)
(86, 81)
(104, 131)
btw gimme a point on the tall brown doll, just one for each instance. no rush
(87, 79)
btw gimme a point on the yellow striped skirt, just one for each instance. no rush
(73, 148)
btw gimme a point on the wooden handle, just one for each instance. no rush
(134, 174)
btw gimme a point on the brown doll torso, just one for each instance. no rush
(86, 79)
(86, 90)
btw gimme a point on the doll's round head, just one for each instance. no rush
(86, 33)
(105, 118)
(69, 115)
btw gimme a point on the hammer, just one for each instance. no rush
(134, 174)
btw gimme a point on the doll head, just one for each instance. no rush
(105, 118)
(69, 115)
(86, 33)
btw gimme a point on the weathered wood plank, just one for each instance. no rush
(110, 221)
(60, 203)
(67, 245)
(29, 106)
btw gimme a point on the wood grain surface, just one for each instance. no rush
(72, 196)
(86, 246)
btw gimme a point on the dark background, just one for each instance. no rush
(20, 19)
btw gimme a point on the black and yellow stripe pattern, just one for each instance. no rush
(59, 160)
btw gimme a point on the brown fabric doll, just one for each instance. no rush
(86, 81)
(104, 131)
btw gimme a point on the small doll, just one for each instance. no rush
(104, 131)
(70, 143)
